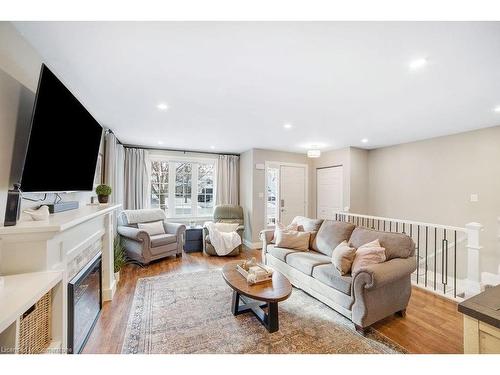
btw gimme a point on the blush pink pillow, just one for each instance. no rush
(369, 253)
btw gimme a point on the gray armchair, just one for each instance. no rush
(142, 247)
(226, 213)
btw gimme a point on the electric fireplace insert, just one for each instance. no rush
(84, 303)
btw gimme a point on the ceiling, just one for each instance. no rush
(231, 86)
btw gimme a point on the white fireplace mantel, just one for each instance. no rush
(63, 243)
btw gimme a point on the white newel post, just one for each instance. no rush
(473, 282)
(108, 276)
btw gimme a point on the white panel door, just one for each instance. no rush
(292, 193)
(329, 191)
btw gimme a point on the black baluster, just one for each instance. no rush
(426, 253)
(435, 257)
(418, 250)
(444, 267)
(455, 266)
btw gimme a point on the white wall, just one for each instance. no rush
(19, 70)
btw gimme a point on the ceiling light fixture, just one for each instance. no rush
(287, 126)
(162, 106)
(314, 152)
(364, 140)
(160, 142)
(497, 109)
(418, 63)
(212, 147)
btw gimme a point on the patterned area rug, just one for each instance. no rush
(191, 313)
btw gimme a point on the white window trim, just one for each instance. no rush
(172, 159)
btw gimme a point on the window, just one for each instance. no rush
(272, 183)
(205, 189)
(183, 188)
(183, 177)
(159, 185)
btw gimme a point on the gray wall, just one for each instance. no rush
(432, 181)
(359, 183)
(355, 177)
(246, 192)
(252, 182)
(19, 70)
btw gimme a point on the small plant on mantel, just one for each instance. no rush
(103, 192)
(119, 255)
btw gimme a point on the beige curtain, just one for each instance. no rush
(114, 167)
(136, 179)
(227, 187)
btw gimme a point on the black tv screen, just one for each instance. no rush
(64, 141)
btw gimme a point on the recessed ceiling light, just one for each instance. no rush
(418, 63)
(162, 106)
(364, 140)
(160, 142)
(497, 108)
(287, 126)
(212, 147)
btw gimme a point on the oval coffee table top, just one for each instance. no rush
(279, 289)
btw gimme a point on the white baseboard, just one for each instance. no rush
(108, 294)
(252, 245)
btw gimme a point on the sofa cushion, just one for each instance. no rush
(397, 245)
(329, 275)
(163, 239)
(331, 234)
(306, 261)
(279, 252)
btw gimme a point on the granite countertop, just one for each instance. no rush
(484, 307)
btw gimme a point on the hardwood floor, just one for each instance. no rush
(431, 325)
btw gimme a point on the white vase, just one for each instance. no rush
(117, 277)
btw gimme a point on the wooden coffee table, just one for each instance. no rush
(255, 298)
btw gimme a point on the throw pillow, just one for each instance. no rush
(342, 257)
(293, 240)
(281, 228)
(369, 253)
(153, 228)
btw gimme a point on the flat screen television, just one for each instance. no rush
(63, 143)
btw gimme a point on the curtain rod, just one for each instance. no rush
(178, 150)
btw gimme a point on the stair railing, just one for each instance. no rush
(448, 257)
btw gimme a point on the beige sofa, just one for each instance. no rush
(372, 294)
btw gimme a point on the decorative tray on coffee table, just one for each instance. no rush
(253, 272)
